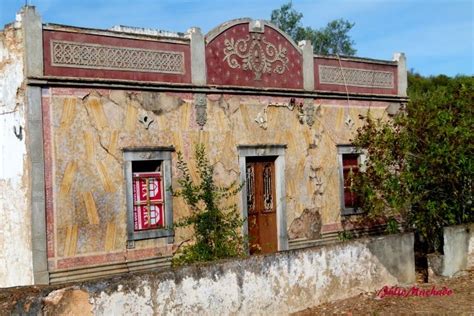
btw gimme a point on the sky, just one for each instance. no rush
(437, 36)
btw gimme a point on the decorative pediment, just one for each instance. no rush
(253, 53)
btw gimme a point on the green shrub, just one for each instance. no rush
(420, 165)
(217, 226)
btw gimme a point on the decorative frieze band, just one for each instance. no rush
(356, 77)
(94, 56)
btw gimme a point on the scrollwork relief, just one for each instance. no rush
(255, 54)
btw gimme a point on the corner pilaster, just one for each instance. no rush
(198, 56)
(33, 44)
(402, 73)
(308, 65)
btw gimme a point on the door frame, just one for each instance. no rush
(277, 151)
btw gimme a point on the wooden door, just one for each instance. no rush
(261, 205)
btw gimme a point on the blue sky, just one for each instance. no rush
(436, 35)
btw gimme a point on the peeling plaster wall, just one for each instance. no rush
(276, 284)
(15, 230)
(90, 128)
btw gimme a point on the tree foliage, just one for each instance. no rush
(216, 225)
(330, 40)
(420, 164)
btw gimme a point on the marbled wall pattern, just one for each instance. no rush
(90, 129)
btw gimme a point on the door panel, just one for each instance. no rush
(261, 204)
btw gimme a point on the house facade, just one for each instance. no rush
(92, 120)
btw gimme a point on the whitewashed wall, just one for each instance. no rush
(273, 284)
(15, 229)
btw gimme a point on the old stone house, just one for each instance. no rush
(91, 121)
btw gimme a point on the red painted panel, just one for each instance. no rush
(219, 72)
(148, 209)
(358, 65)
(122, 256)
(61, 71)
(48, 171)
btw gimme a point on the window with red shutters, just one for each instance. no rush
(149, 202)
(350, 162)
(350, 166)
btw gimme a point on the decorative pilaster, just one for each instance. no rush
(33, 43)
(308, 65)
(198, 56)
(402, 73)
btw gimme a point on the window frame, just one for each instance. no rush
(344, 150)
(162, 154)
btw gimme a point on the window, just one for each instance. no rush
(350, 162)
(148, 198)
(149, 202)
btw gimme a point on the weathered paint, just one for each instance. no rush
(89, 133)
(15, 231)
(90, 128)
(276, 284)
(85, 130)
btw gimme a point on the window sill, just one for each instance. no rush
(150, 234)
(352, 211)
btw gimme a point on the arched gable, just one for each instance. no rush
(247, 52)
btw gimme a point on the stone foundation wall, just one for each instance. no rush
(275, 284)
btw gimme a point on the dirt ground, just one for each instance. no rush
(397, 302)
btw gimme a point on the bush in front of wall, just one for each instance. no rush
(216, 225)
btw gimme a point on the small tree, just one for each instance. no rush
(329, 40)
(420, 166)
(216, 225)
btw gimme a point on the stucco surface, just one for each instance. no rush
(91, 127)
(15, 230)
(276, 284)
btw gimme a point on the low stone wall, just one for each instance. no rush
(268, 284)
(458, 249)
